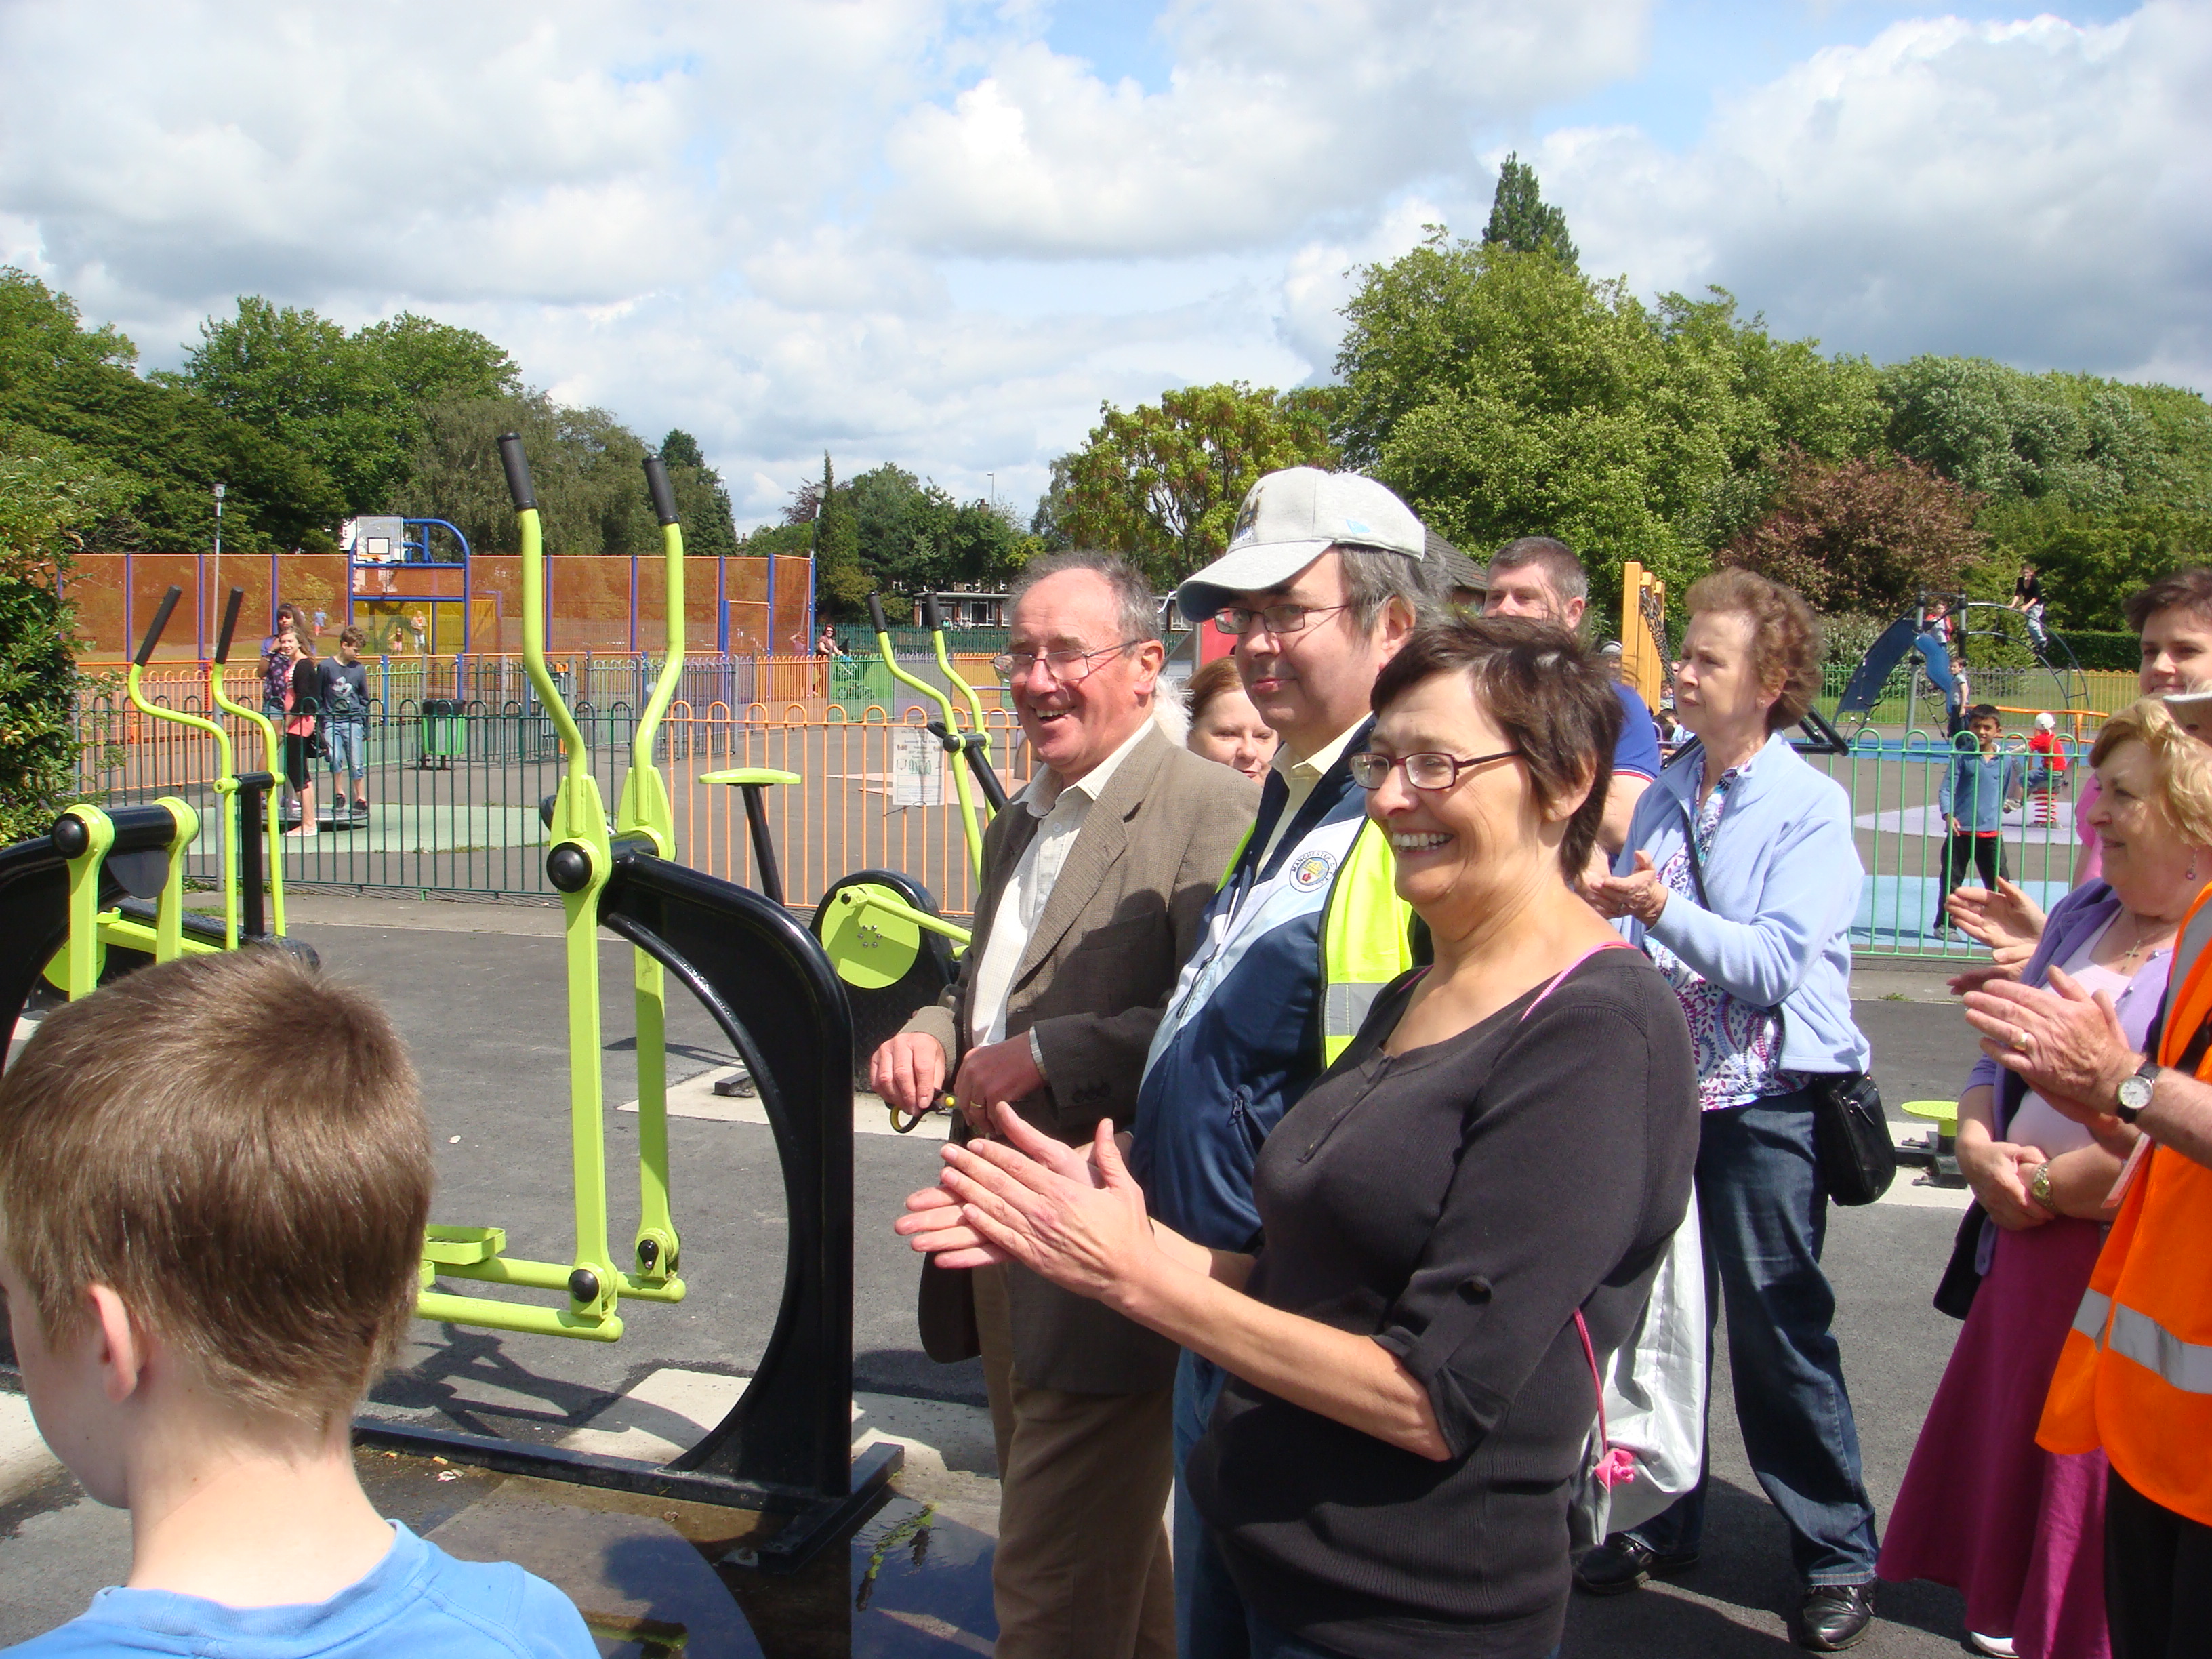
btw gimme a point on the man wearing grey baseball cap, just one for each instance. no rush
(1325, 575)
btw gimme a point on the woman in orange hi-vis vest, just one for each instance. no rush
(2135, 1378)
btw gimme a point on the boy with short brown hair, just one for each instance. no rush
(208, 1260)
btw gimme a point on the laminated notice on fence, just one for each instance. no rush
(917, 767)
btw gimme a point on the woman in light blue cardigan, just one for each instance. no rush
(1740, 880)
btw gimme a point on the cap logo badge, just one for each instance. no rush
(1247, 516)
(1357, 527)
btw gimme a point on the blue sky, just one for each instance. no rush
(942, 232)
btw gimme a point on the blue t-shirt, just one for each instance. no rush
(1636, 754)
(418, 1601)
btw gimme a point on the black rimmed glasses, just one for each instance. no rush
(1427, 771)
(1060, 665)
(1280, 620)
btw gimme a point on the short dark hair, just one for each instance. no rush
(2184, 590)
(352, 636)
(265, 1220)
(1550, 695)
(1562, 572)
(1785, 641)
(1982, 711)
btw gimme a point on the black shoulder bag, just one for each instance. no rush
(1858, 1155)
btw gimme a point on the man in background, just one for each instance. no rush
(1539, 576)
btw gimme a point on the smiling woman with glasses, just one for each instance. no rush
(1386, 1470)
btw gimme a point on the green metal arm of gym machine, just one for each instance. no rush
(272, 752)
(578, 832)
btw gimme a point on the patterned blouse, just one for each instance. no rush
(1738, 1044)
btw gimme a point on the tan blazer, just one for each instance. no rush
(1092, 984)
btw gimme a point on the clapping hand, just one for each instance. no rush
(2066, 1044)
(1639, 894)
(1076, 1216)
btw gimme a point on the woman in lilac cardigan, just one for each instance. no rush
(2020, 1530)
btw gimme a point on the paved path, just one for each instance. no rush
(477, 988)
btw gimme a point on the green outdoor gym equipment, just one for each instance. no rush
(580, 864)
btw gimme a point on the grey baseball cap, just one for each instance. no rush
(1290, 518)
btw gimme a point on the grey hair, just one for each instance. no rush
(1563, 571)
(1137, 610)
(1372, 578)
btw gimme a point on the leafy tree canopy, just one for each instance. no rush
(1863, 536)
(1521, 222)
(164, 447)
(1160, 483)
(50, 496)
(1504, 393)
(349, 403)
(586, 466)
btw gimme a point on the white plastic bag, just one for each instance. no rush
(1654, 1398)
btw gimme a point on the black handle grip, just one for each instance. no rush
(517, 471)
(229, 626)
(161, 621)
(662, 491)
(929, 616)
(876, 615)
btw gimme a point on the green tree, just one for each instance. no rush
(1505, 394)
(584, 463)
(58, 380)
(1520, 220)
(2088, 563)
(2012, 436)
(841, 583)
(1863, 536)
(351, 404)
(49, 495)
(1161, 484)
(701, 503)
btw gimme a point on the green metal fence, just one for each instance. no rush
(454, 786)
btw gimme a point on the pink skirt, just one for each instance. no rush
(1984, 1507)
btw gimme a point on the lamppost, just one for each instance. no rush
(212, 601)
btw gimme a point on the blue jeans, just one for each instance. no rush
(1763, 1209)
(1210, 1616)
(348, 745)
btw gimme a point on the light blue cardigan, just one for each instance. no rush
(1784, 878)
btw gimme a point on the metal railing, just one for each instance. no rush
(454, 785)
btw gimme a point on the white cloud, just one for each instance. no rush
(2036, 191)
(1277, 111)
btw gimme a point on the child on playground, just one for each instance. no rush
(345, 723)
(1982, 784)
(208, 1260)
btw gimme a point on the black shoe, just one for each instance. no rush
(1624, 1561)
(1834, 1616)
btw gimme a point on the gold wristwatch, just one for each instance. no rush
(2039, 1186)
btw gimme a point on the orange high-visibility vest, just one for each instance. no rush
(2136, 1374)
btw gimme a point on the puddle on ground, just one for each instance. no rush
(655, 1577)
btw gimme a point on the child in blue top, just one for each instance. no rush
(1981, 785)
(208, 1258)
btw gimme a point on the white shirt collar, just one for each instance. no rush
(1044, 790)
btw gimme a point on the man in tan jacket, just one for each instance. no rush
(1093, 881)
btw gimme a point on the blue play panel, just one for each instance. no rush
(1897, 913)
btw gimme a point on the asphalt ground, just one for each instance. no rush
(479, 991)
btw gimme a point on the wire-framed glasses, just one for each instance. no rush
(1236, 620)
(1059, 666)
(1427, 771)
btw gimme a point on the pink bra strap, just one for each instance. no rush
(1617, 944)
